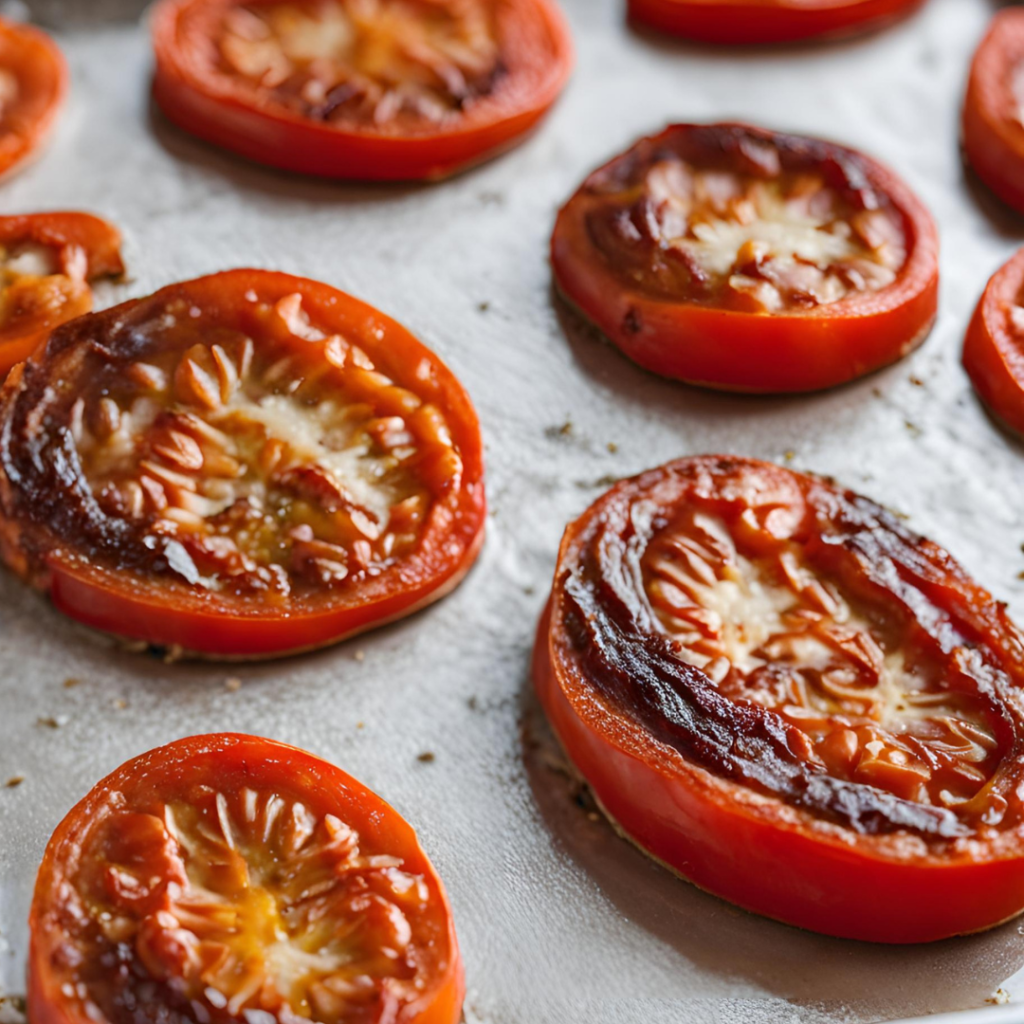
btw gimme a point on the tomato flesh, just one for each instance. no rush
(768, 21)
(780, 664)
(360, 88)
(33, 85)
(993, 123)
(208, 881)
(994, 346)
(251, 445)
(742, 259)
(46, 263)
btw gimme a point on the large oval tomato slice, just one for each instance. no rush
(994, 345)
(768, 21)
(33, 84)
(746, 260)
(242, 465)
(46, 263)
(776, 689)
(993, 122)
(227, 878)
(364, 89)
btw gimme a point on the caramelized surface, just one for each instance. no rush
(404, 65)
(797, 639)
(743, 219)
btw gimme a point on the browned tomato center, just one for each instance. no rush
(378, 63)
(764, 625)
(278, 460)
(757, 223)
(38, 281)
(238, 904)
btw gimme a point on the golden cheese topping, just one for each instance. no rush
(284, 465)
(769, 628)
(744, 220)
(404, 64)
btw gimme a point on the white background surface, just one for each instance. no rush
(559, 920)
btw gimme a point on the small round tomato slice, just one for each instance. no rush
(768, 21)
(46, 263)
(243, 465)
(360, 89)
(33, 85)
(993, 122)
(994, 345)
(777, 690)
(226, 879)
(745, 260)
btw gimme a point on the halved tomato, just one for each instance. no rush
(993, 122)
(745, 260)
(364, 89)
(33, 85)
(243, 465)
(46, 263)
(994, 346)
(226, 878)
(768, 21)
(777, 690)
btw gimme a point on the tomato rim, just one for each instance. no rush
(260, 760)
(757, 353)
(993, 141)
(756, 22)
(993, 359)
(195, 626)
(735, 844)
(44, 58)
(289, 142)
(100, 242)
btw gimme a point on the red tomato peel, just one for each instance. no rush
(239, 466)
(370, 91)
(746, 260)
(229, 878)
(777, 690)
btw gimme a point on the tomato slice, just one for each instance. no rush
(776, 689)
(33, 86)
(242, 465)
(228, 878)
(993, 124)
(745, 260)
(768, 21)
(46, 262)
(360, 89)
(994, 345)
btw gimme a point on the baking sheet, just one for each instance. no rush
(560, 921)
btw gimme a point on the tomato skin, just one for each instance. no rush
(993, 138)
(992, 356)
(779, 352)
(36, 61)
(262, 762)
(754, 22)
(753, 852)
(97, 239)
(290, 142)
(122, 606)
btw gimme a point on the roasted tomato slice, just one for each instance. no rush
(776, 689)
(242, 465)
(46, 263)
(365, 89)
(227, 879)
(745, 260)
(768, 21)
(33, 84)
(994, 346)
(993, 122)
